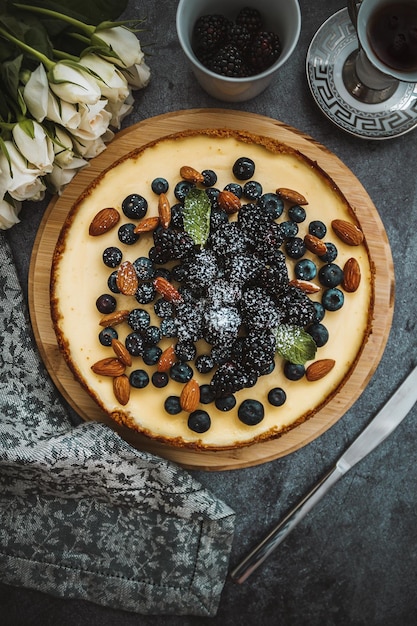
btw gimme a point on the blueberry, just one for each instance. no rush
(185, 351)
(293, 371)
(207, 394)
(138, 319)
(305, 269)
(277, 396)
(182, 188)
(289, 229)
(333, 299)
(181, 372)
(164, 272)
(331, 254)
(330, 275)
(295, 247)
(317, 228)
(204, 363)
(139, 379)
(112, 282)
(107, 335)
(172, 405)
(127, 235)
(251, 412)
(151, 355)
(145, 293)
(135, 206)
(210, 178)
(272, 205)
(234, 188)
(168, 327)
(106, 303)
(144, 268)
(160, 379)
(319, 333)
(134, 344)
(163, 308)
(297, 213)
(112, 256)
(159, 185)
(243, 168)
(226, 403)
(320, 312)
(151, 335)
(212, 194)
(252, 190)
(199, 421)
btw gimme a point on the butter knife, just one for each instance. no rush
(388, 418)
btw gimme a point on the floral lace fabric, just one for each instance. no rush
(84, 515)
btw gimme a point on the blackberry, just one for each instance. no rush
(218, 217)
(228, 240)
(185, 351)
(189, 320)
(267, 246)
(274, 278)
(168, 327)
(163, 308)
(228, 379)
(239, 35)
(243, 268)
(200, 269)
(296, 307)
(258, 352)
(222, 292)
(222, 325)
(210, 31)
(264, 50)
(177, 220)
(252, 220)
(228, 61)
(250, 18)
(204, 363)
(170, 245)
(221, 353)
(259, 310)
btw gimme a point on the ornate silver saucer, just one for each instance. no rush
(333, 45)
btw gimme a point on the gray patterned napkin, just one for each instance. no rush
(84, 515)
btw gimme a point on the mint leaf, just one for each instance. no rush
(294, 344)
(196, 215)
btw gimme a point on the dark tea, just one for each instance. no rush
(392, 34)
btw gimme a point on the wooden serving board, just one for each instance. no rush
(149, 130)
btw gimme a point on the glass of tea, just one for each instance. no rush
(387, 34)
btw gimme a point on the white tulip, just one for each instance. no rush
(21, 181)
(122, 42)
(94, 122)
(113, 84)
(36, 147)
(73, 84)
(35, 93)
(138, 75)
(9, 214)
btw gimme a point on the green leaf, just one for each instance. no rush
(294, 344)
(196, 215)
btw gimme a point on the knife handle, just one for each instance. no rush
(260, 552)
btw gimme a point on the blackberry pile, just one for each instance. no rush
(236, 48)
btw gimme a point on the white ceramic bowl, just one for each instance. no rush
(280, 16)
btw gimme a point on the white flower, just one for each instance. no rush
(33, 143)
(62, 112)
(138, 75)
(9, 214)
(119, 110)
(90, 148)
(20, 180)
(123, 43)
(71, 83)
(63, 148)
(113, 84)
(94, 122)
(61, 175)
(35, 93)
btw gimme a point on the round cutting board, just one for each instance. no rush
(139, 135)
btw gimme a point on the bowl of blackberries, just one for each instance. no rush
(235, 50)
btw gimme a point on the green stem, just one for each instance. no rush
(59, 54)
(42, 57)
(86, 28)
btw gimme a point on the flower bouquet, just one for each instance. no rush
(66, 79)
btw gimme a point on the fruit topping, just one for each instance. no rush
(251, 412)
(135, 206)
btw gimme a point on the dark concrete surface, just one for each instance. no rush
(352, 560)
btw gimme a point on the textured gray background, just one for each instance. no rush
(353, 558)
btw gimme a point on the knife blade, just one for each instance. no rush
(382, 425)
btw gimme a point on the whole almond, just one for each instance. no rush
(315, 245)
(167, 359)
(121, 389)
(292, 196)
(191, 175)
(104, 221)
(319, 369)
(127, 279)
(121, 352)
(147, 225)
(305, 285)
(228, 201)
(347, 232)
(190, 396)
(164, 210)
(110, 366)
(351, 275)
(115, 318)
(167, 289)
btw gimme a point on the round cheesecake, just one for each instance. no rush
(212, 289)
